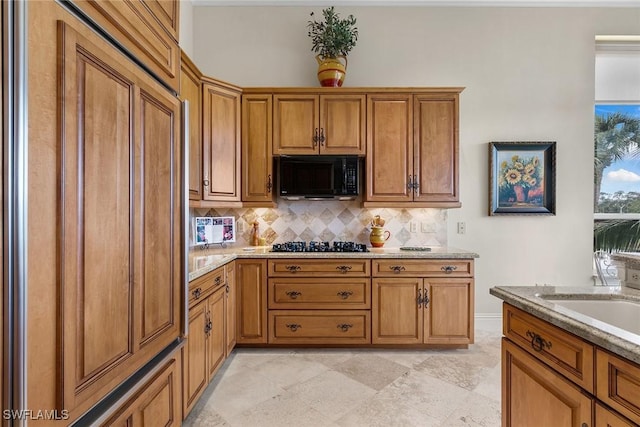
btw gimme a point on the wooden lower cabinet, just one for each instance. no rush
(205, 348)
(548, 378)
(158, 401)
(319, 327)
(429, 310)
(533, 395)
(251, 288)
(230, 307)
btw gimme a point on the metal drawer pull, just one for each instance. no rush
(396, 268)
(425, 299)
(197, 293)
(345, 327)
(419, 299)
(293, 294)
(293, 326)
(448, 268)
(218, 280)
(343, 268)
(537, 342)
(345, 294)
(293, 268)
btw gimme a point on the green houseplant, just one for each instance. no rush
(332, 39)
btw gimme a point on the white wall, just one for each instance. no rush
(528, 73)
(186, 27)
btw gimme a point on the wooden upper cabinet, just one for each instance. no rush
(435, 148)
(146, 28)
(119, 227)
(412, 149)
(191, 90)
(257, 164)
(319, 124)
(389, 148)
(221, 141)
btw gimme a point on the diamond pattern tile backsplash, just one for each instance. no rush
(332, 221)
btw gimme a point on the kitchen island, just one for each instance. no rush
(566, 366)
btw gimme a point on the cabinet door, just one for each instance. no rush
(119, 279)
(251, 285)
(606, 417)
(618, 384)
(396, 317)
(194, 357)
(221, 143)
(295, 124)
(216, 346)
(435, 150)
(449, 313)
(389, 148)
(257, 150)
(191, 90)
(534, 395)
(230, 308)
(157, 404)
(342, 124)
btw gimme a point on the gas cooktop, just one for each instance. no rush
(319, 247)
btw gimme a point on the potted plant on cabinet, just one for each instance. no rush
(332, 39)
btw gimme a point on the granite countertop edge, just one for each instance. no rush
(213, 258)
(616, 340)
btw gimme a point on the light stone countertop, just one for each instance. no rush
(530, 299)
(202, 261)
(630, 259)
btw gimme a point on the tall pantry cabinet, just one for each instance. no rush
(104, 266)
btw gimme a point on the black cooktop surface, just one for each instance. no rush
(319, 247)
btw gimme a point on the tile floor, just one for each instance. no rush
(353, 388)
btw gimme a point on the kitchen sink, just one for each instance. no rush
(619, 313)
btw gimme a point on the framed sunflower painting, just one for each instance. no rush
(522, 178)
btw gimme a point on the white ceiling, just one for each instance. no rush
(448, 3)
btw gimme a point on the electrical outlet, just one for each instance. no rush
(462, 228)
(413, 227)
(240, 226)
(633, 277)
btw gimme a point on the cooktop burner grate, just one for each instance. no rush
(319, 247)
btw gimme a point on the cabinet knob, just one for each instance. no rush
(344, 327)
(293, 294)
(197, 293)
(345, 294)
(343, 268)
(218, 280)
(293, 326)
(205, 182)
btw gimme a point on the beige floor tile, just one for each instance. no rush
(332, 394)
(476, 411)
(283, 410)
(372, 370)
(489, 385)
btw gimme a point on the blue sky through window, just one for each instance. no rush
(623, 175)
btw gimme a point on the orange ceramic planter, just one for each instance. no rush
(331, 71)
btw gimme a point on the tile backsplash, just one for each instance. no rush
(332, 221)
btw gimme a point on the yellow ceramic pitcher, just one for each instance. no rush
(378, 236)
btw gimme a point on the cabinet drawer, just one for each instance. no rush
(569, 355)
(319, 327)
(421, 268)
(320, 267)
(334, 292)
(618, 384)
(200, 288)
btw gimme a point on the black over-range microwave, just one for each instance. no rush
(319, 177)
